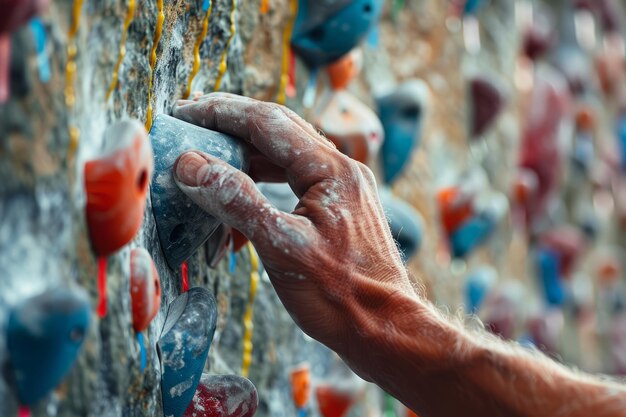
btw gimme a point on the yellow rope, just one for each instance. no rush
(130, 13)
(70, 76)
(153, 59)
(247, 317)
(223, 66)
(196, 51)
(284, 72)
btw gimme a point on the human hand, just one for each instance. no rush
(330, 260)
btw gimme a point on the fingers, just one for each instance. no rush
(231, 196)
(279, 134)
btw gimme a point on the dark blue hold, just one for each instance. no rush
(473, 6)
(401, 114)
(183, 226)
(44, 336)
(326, 30)
(405, 222)
(184, 347)
(471, 235)
(621, 137)
(547, 263)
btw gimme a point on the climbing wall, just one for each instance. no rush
(84, 65)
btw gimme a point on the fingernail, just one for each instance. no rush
(187, 167)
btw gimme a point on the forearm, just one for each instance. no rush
(439, 369)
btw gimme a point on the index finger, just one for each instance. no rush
(275, 131)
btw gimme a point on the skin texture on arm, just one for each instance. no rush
(336, 268)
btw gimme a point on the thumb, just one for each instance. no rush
(232, 197)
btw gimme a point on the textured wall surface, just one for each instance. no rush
(44, 241)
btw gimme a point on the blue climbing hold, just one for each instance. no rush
(470, 235)
(621, 136)
(405, 222)
(473, 6)
(477, 286)
(44, 336)
(325, 30)
(183, 226)
(401, 114)
(184, 347)
(548, 270)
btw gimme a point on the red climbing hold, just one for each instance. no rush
(333, 403)
(145, 288)
(116, 186)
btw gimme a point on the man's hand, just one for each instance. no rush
(334, 247)
(338, 272)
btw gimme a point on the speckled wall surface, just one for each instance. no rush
(43, 236)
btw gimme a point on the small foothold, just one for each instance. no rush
(501, 310)
(325, 31)
(569, 243)
(116, 185)
(301, 385)
(471, 235)
(145, 289)
(456, 207)
(223, 396)
(44, 336)
(539, 38)
(405, 222)
(352, 126)
(184, 347)
(525, 187)
(472, 6)
(182, 225)
(478, 284)
(344, 70)
(547, 264)
(487, 102)
(401, 113)
(332, 402)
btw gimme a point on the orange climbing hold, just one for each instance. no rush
(145, 289)
(455, 207)
(301, 385)
(344, 70)
(116, 185)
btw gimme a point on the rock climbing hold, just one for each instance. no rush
(568, 243)
(487, 102)
(456, 207)
(116, 185)
(44, 336)
(344, 70)
(405, 222)
(217, 247)
(223, 396)
(471, 234)
(326, 30)
(182, 225)
(332, 402)
(547, 264)
(478, 284)
(301, 385)
(145, 288)
(184, 347)
(352, 126)
(401, 113)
